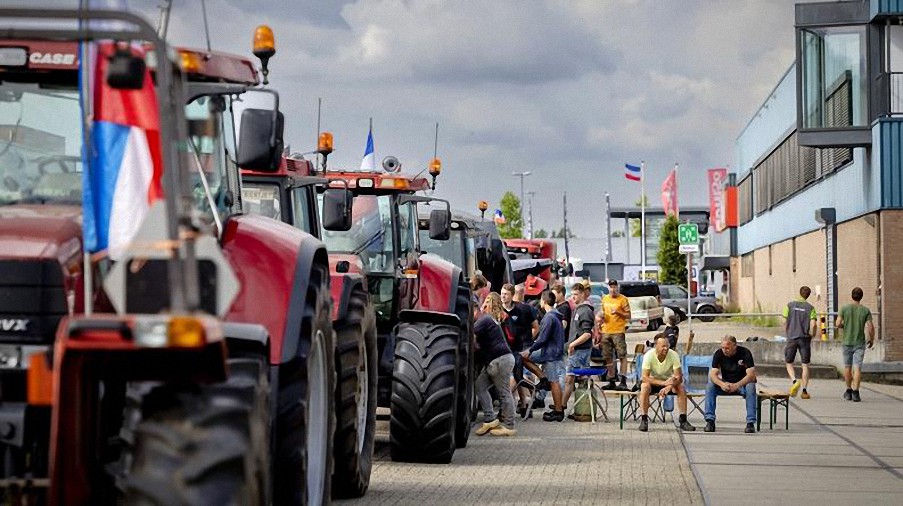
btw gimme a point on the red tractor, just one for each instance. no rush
(290, 195)
(204, 373)
(423, 309)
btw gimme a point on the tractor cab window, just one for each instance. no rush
(408, 231)
(451, 250)
(370, 236)
(263, 199)
(302, 209)
(40, 144)
(207, 152)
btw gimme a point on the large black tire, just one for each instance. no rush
(424, 384)
(355, 397)
(305, 421)
(202, 444)
(466, 375)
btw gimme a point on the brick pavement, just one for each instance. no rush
(550, 463)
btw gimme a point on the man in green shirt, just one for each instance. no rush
(856, 321)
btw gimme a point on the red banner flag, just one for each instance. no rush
(717, 182)
(669, 193)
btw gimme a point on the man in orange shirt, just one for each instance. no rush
(614, 317)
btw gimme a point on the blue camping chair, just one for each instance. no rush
(696, 370)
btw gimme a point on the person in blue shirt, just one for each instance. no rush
(548, 351)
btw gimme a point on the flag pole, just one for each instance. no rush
(676, 199)
(608, 234)
(642, 220)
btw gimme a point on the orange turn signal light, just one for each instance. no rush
(190, 61)
(186, 332)
(40, 380)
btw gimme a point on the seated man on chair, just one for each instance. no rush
(733, 373)
(662, 375)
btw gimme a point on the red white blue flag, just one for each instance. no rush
(124, 163)
(499, 217)
(633, 172)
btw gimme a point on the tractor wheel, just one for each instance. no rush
(424, 384)
(466, 412)
(355, 398)
(202, 444)
(305, 409)
(706, 310)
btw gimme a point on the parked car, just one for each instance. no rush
(646, 310)
(675, 296)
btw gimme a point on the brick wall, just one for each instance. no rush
(778, 281)
(857, 262)
(891, 260)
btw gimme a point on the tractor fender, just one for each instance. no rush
(274, 263)
(429, 317)
(341, 286)
(242, 337)
(439, 280)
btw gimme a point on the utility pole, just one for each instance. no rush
(567, 251)
(521, 175)
(530, 215)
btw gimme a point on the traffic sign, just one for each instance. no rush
(687, 233)
(688, 248)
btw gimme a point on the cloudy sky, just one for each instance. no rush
(569, 91)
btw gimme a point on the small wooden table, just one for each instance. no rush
(775, 401)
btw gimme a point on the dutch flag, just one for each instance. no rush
(122, 179)
(368, 163)
(632, 172)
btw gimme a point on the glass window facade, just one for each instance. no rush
(834, 77)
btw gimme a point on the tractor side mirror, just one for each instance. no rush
(260, 143)
(440, 224)
(125, 71)
(337, 209)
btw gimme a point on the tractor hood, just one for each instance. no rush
(40, 232)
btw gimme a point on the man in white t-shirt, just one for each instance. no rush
(662, 375)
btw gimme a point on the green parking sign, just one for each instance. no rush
(688, 233)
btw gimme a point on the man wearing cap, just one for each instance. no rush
(614, 316)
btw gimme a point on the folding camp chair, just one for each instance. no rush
(696, 370)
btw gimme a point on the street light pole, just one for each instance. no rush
(521, 175)
(530, 215)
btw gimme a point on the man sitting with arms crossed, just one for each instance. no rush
(662, 375)
(733, 373)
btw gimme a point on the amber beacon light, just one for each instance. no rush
(264, 48)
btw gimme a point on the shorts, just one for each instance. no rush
(655, 389)
(616, 341)
(554, 370)
(540, 357)
(578, 360)
(804, 344)
(852, 355)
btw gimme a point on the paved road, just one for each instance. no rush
(836, 452)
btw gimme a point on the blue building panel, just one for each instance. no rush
(853, 191)
(885, 7)
(888, 141)
(772, 121)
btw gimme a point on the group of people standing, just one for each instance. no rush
(551, 341)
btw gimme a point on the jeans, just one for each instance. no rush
(748, 392)
(498, 374)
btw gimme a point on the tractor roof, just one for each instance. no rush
(380, 183)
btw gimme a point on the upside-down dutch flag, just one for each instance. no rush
(499, 217)
(632, 172)
(122, 179)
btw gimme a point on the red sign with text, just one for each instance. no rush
(717, 181)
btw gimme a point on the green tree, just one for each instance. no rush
(672, 265)
(559, 234)
(635, 229)
(541, 234)
(514, 223)
(617, 233)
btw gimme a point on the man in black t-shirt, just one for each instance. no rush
(581, 343)
(563, 306)
(522, 324)
(733, 372)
